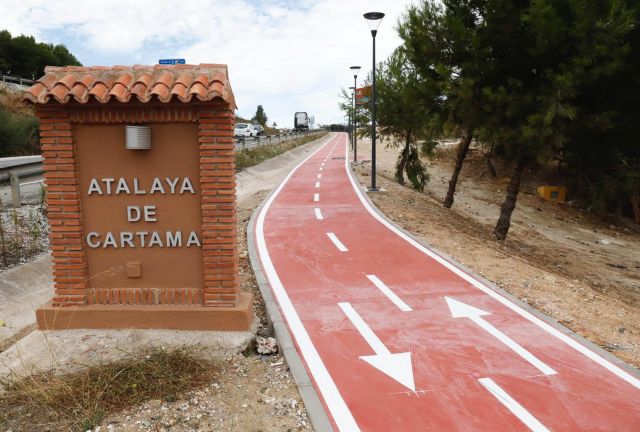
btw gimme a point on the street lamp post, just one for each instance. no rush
(353, 114)
(373, 20)
(355, 70)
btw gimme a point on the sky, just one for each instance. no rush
(286, 55)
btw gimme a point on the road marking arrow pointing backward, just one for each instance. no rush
(397, 366)
(463, 310)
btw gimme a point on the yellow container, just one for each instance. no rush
(553, 193)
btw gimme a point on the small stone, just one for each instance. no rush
(266, 345)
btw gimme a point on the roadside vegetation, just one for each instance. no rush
(536, 83)
(253, 156)
(23, 233)
(23, 57)
(81, 400)
(18, 126)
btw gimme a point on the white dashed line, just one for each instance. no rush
(318, 213)
(319, 175)
(317, 184)
(316, 197)
(390, 294)
(337, 242)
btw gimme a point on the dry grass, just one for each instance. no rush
(256, 155)
(12, 102)
(81, 400)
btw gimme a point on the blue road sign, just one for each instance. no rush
(171, 61)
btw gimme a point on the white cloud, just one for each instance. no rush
(286, 56)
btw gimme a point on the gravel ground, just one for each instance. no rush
(254, 393)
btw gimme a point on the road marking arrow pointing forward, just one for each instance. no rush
(463, 310)
(397, 366)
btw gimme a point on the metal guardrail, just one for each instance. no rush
(260, 140)
(17, 80)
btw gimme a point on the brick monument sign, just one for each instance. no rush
(140, 177)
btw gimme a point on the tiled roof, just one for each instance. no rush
(205, 82)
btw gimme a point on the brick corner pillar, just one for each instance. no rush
(63, 207)
(219, 229)
(139, 169)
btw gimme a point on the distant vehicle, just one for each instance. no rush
(259, 129)
(301, 121)
(244, 130)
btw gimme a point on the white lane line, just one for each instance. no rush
(316, 197)
(512, 405)
(337, 243)
(322, 164)
(462, 310)
(390, 294)
(319, 175)
(330, 393)
(489, 291)
(318, 213)
(321, 169)
(317, 184)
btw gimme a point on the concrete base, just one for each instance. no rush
(175, 317)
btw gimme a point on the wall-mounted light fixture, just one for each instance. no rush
(138, 137)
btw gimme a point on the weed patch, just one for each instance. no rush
(82, 400)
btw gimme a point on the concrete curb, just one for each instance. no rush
(547, 319)
(317, 414)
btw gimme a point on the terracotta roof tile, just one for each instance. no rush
(126, 83)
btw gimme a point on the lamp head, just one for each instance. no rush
(373, 21)
(355, 70)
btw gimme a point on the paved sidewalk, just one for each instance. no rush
(397, 338)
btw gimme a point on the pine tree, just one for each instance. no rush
(260, 117)
(407, 109)
(440, 39)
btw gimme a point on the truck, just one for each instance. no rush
(301, 121)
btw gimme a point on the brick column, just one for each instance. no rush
(218, 188)
(63, 207)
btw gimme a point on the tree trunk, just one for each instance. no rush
(504, 222)
(635, 206)
(402, 160)
(463, 148)
(490, 167)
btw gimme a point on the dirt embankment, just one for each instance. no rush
(582, 271)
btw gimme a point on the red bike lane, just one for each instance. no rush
(397, 338)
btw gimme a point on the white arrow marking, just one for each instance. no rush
(397, 366)
(390, 294)
(512, 405)
(318, 213)
(463, 310)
